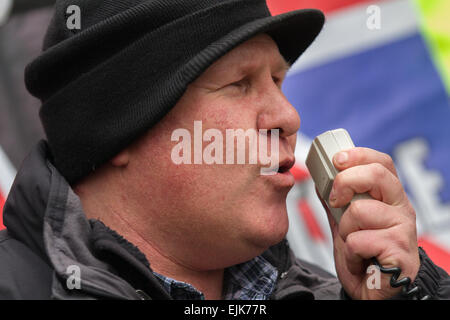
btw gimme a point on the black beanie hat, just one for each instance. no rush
(104, 86)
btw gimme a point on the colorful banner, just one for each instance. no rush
(379, 70)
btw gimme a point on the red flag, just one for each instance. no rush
(437, 253)
(281, 6)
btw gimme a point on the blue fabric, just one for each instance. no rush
(383, 97)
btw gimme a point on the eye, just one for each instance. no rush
(243, 84)
(277, 81)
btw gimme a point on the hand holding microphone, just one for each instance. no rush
(371, 218)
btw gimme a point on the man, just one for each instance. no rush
(103, 211)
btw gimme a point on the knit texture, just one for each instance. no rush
(104, 86)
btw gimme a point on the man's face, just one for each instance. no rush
(213, 216)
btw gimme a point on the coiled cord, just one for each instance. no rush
(410, 293)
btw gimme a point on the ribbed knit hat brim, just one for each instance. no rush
(105, 86)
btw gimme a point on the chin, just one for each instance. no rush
(270, 231)
(251, 241)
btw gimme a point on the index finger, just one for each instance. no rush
(361, 156)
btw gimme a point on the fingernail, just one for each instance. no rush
(341, 158)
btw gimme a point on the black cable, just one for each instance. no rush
(411, 293)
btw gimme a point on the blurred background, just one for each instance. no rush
(380, 69)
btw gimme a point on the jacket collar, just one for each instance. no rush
(44, 213)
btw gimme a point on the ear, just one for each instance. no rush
(122, 159)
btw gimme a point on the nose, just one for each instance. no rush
(278, 113)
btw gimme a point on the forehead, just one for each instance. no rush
(259, 50)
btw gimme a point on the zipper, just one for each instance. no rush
(142, 295)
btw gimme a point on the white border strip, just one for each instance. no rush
(346, 32)
(7, 173)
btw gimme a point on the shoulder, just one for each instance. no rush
(23, 274)
(299, 279)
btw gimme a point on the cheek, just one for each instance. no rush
(292, 141)
(185, 184)
(221, 110)
(184, 188)
(202, 189)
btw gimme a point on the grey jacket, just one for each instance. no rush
(47, 234)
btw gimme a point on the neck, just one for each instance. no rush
(209, 282)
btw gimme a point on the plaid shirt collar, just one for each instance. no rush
(252, 280)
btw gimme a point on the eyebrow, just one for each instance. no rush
(282, 66)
